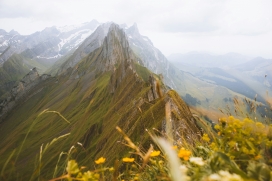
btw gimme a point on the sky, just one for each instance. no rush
(174, 26)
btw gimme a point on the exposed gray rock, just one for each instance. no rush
(151, 57)
(18, 92)
(181, 122)
(153, 92)
(115, 48)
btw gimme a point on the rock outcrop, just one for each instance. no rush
(20, 90)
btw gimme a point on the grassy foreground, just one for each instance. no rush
(241, 150)
(237, 150)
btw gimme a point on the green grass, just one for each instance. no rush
(143, 72)
(14, 69)
(93, 110)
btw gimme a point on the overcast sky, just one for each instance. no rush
(174, 26)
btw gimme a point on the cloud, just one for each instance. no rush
(249, 18)
(195, 23)
(8, 9)
(191, 16)
(195, 27)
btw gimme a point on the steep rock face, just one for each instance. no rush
(151, 57)
(25, 84)
(93, 42)
(18, 92)
(115, 49)
(153, 92)
(114, 52)
(182, 122)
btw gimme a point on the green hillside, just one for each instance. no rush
(94, 99)
(14, 69)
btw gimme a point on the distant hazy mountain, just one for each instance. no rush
(233, 71)
(208, 60)
(256, 70)
(47, 45)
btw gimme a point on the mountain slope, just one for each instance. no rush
(249, 78)
(14, 69)
(91, 43)
(40, 50)
(107, 88)
(197, 92)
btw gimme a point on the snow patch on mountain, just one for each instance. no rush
(56, 56)
(51, 43)
(145, 39)
(5, 43)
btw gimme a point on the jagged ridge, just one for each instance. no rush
(105, 89)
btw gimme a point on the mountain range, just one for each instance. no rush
(102, 83)
(71, 45)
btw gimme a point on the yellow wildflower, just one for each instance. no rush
(126, 159)
(232, 144)
(258, 157)
(96, 175)
(100, 160)
(161, 162)
(217, 127)
(175, 147)
(185, 154)
(231, 118)
(206, 138)
(155, 153)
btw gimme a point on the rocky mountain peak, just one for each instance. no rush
(31, 76)
(2, 31)
(115, 47)
(13, 32)
(133, 30)
(52, 31)
(92, 24)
